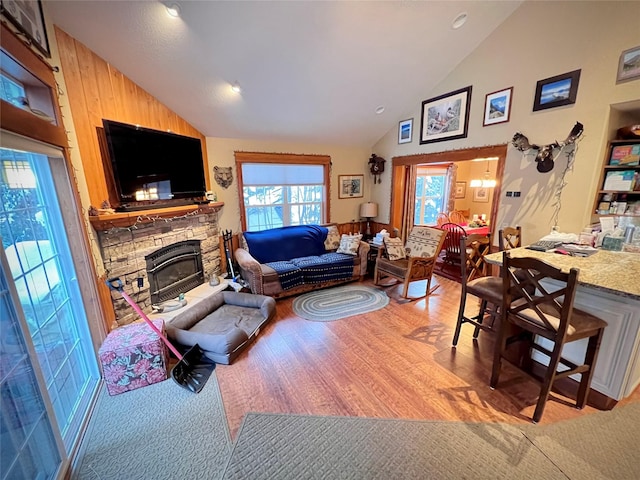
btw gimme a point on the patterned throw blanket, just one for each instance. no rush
(313, 269)
(289, 275)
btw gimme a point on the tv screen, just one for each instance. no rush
(154, 168)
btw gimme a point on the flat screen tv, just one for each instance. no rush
(152, 168)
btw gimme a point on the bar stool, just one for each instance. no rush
(537, 300)
(473, 269)
(509, 237)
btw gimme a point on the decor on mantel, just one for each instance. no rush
(145, 219)
(376, 165)
(544, 153)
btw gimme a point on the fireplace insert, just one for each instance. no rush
(174, 269)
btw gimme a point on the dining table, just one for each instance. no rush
(609, 288)
(476, 230)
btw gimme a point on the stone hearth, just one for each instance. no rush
(124, 250)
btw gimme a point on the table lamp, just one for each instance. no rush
(368, 210)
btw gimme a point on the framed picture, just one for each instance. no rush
(405, 131)
(556, 91)
(497, 107)
(350, 186)
(27, 16)
(445, 117)
(481, 194)
(461, 190)
(629, 65)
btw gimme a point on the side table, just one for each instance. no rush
(375, 251)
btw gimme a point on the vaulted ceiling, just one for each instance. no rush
(312, 72)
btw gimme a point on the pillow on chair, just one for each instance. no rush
(423, 242)
(394, 248)
(349, 244)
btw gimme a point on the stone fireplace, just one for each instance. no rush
(125, 251)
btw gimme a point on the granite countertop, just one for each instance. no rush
(613, 272)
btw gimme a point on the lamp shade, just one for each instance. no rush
(369, 210)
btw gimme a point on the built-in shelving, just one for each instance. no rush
(609, 201)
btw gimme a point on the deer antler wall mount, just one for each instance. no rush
(544, 156)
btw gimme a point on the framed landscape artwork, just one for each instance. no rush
(497, 107)
(557, 91)
(350, 186)
(629, 65)
(445, 117)
(405, 131)
(461, 189)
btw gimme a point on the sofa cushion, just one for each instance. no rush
(285, 243)
(349, 244)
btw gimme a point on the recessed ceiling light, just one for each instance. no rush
(236, 87)
(173, 9)
(380, 109)
(459, 21)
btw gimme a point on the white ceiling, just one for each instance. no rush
(311, 72)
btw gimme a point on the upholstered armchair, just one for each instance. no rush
(412, 261)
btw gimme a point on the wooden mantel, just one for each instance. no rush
(126, 219)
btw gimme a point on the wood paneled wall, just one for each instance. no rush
(97, 90)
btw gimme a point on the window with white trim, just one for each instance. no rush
(431, 194)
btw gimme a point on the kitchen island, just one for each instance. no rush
(609, 288)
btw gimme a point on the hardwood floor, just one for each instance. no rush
(397, 362)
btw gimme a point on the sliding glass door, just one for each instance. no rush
(28, 447)
(40, 266)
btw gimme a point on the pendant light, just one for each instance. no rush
(485, 182)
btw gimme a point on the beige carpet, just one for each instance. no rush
(274, 446)
(161, 431)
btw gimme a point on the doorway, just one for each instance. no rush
(404, 176)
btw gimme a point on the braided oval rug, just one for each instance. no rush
(335, 303)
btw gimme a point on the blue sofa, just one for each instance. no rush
(287, 261)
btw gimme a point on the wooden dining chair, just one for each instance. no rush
(537, 301)
(451, 246)
(510, 237)
(474, 282)
(442, 218)
(457, 216)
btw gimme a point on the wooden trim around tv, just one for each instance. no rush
(96, 90)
